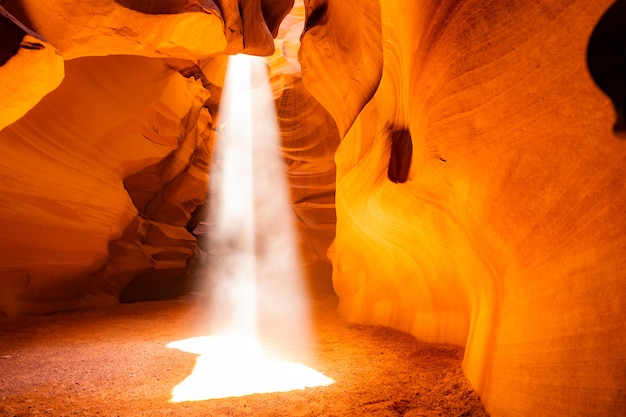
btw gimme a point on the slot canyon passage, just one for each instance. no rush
(455, 174)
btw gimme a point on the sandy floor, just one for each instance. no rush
(115, 362)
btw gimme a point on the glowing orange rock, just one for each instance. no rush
(29, 68)
(102, 176)
(64, 204)
(502, 232)
(347, 55)
(97, 28)
(508, 236)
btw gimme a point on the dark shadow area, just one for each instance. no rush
(401, 154)
(17, 10)
(157, 285)
(316, 16)
(166, 6)
(274, 12)
(10, 39)
(606, 59)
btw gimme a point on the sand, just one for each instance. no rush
(115, 362)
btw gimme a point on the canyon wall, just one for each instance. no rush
(477, 183)
(503, 231)
(106, 131)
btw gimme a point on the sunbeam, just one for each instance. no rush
(255, 282)
(231, 235)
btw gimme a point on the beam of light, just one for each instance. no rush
(256, 285)
(231, 234)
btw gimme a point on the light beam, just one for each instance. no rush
(257, 289)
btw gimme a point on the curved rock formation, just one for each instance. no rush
(68, 171)
(507, 236)
(344, 67)
(98, 28)
(309, 150)
(100, 179)
(476, 181)
(29, 68)
(606, 57)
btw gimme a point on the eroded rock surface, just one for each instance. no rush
(108, 140)
(508, 235)
(477, 183)
(68, 194)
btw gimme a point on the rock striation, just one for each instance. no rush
(507, 236)
(107, 136)
(455, 159)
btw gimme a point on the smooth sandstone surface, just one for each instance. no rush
(454, 158)
(67, 190)
(508, 236)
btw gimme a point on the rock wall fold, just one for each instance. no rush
(106, 125)
(507, 236)
(65, 211)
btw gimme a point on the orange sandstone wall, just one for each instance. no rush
(479, 189)
(504, 232)
(106, 136)
(67, 171)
